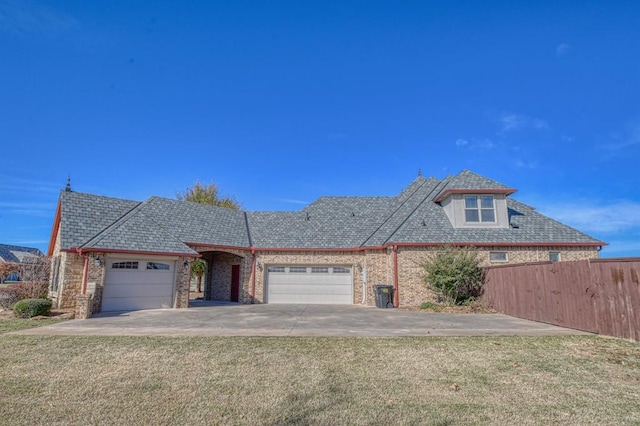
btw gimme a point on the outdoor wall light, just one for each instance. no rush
(259, 265)
(97, 260)
(185, 265)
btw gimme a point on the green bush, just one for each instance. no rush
(455, 275)
(29, 308)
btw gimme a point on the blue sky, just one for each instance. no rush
(281, 102)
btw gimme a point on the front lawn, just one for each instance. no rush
(280, 380)
(15, 324)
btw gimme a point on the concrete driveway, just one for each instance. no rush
(297, 320)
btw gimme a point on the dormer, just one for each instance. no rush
(473, 201)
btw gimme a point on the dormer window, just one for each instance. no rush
(479, 208)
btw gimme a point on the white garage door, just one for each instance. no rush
(309, 284)
(138, 284)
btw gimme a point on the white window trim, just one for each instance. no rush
(479, 208)
(506, 257)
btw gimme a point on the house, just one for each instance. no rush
(125, 255)
(10, 258)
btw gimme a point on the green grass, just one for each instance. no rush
(283, 380)
(15, 324)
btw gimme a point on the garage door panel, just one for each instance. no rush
(138, 290)
(132, 304)
(141, 277)
(312, 288)
(293, 289)
(132, 289)
(318, 299)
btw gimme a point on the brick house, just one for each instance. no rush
(126, 255)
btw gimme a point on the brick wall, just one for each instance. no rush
(378, 264)
(183, 282)
(413, 291)
(217, 284)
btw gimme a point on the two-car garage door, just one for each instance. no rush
(138, 284)
(309, 284)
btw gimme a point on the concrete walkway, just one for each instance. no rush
(296, 320)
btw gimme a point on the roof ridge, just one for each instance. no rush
(424, 181)
(427, 197)
(73, 193)
(106, 231)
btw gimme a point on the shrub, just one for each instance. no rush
(28, 308)
(455, 275)
(32, 289)
(8, 297)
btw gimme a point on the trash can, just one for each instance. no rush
(384, 296)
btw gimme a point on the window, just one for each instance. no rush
(498, 256)
(341, 270)
(124, 265)
(554, 256)
(479, 208)
(319, 270)
(158, 266)
(276, 269)
(56, 274)
(297, 270)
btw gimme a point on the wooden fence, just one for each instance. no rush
(600, 295)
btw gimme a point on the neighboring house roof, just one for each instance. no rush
(17, 254)
(160, 225)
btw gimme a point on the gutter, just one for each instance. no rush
(85, 271)
(253, 275)
(105, 250)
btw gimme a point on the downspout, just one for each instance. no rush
(396, 299)
(85, 272)
(253, 275)
(364, 280)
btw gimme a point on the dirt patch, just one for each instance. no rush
(447, 309)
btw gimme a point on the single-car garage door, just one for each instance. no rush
(309, 284)
(138, 284)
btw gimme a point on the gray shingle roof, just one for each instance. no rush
(165, 226)
(329, 222)
(200, 223)
(137, 231)
(83, 216)
(469, 180)
(16, 254)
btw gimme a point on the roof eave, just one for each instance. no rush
(81, 250)
(444, 194)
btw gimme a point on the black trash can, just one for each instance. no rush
(384, 296)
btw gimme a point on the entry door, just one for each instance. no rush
(235, 282)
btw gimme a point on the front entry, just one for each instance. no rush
(224, 276)
(235, 282)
